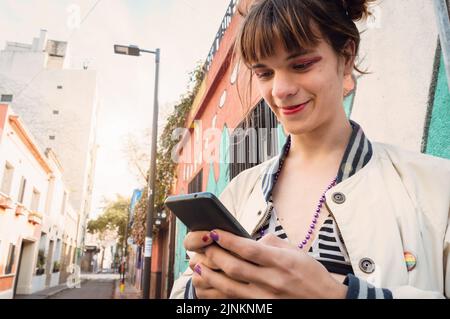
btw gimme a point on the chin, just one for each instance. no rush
(297, 130)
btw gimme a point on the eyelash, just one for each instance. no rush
(298, 67)
(303, 66)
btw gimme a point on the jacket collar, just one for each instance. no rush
(357, 154)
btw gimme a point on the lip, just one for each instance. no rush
(297, 109)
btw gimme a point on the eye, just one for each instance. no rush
(302, 66)
(263, 74)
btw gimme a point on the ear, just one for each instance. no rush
(349, 52)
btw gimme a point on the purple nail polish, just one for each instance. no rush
(198, 269)
(214, 236)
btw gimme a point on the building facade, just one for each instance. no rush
(59, 106)
(34, 211)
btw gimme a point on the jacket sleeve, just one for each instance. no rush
(182, 287)
(179, 286)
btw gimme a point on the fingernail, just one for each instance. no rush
(198, 269)
(214, 236)
(205, 238)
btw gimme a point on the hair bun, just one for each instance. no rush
(357, 9)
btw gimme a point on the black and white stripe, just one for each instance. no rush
(361, 289)
(328, 248)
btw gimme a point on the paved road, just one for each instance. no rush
(95, 288)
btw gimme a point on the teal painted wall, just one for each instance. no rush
(181, 263)
(217, 185)
(348, 104)
(281, 137)
(438, 142)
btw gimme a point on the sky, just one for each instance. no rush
(184, 30)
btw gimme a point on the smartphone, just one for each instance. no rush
(204, 211)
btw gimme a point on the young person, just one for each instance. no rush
(334, 215)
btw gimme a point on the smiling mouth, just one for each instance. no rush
(293, 106)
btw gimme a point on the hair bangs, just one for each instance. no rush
(273, 22)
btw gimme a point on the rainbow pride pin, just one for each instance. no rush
(410, 260)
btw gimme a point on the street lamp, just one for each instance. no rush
(136, 51)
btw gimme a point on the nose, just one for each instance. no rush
(283, 87)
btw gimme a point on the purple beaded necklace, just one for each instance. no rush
(318, 208)
(315, 217)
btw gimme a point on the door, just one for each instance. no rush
(25, 268)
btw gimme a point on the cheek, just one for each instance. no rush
(327, 86)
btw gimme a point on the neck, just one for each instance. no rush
(327, 141)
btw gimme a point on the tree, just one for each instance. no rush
(114, 218)
(136, 149)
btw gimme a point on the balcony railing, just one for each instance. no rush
(219, 35)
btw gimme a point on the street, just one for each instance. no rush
(93, 287)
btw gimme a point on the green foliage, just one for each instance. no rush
(56, 266)
(114, 218)
(165, 166)
(41, 259)
(140, 214)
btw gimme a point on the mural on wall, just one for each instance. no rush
(349, 93)
(217, 185)
(181, 262)
(437, 127)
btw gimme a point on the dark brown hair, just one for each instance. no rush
(294, 24)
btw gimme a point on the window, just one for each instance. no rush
(6, 98)
(59, 87)
(23, 184)
(7, 178)
(63, 205)
(35, 200)
(55, 112)
(254, 140)
(196, 184)
(52, 137)
(10, 260)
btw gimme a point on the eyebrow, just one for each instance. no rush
(294, 55)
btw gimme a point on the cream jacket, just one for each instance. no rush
(399, 202)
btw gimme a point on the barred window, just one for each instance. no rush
(255, 140)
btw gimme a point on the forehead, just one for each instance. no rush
(282, 54)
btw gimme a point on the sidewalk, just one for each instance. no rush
(130, 291)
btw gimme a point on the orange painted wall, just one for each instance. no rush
(6, 283)
(217, 80)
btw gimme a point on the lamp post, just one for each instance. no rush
(136, 51)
